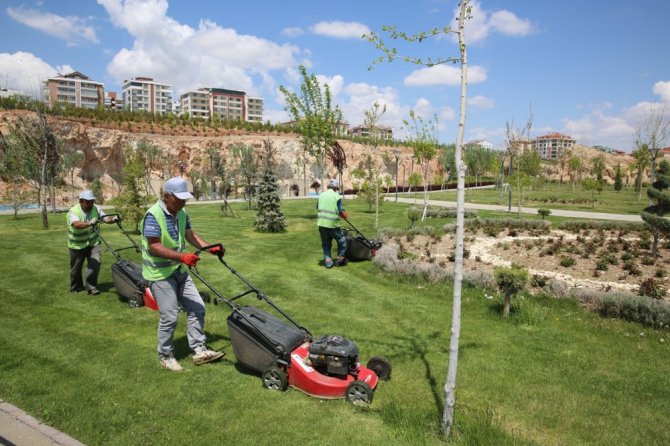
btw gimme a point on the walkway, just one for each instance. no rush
(17, 428)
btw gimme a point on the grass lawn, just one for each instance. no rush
(553, 197)
(553, 374)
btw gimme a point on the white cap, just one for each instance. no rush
(86, 195)
(333, 183)
(177, 186)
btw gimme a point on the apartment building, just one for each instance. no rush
(195, 103)
(74, 88)
(381, 132)
(551, 145)
(254, 109)
(113, 101)
(227, 104)
(145, 94)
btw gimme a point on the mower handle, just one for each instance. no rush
(208, 247)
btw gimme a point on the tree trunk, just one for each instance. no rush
(450, 385)
(506, 303)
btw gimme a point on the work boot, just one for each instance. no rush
(204, 355)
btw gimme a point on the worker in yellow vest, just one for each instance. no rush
(84, 243)
(165, 230)
(329, 211)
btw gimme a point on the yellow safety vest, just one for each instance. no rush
(327, 215)
(81, 238)
(158, 268)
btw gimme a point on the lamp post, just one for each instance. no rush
(396, 153)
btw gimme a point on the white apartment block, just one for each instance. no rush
(195, 103)
(550, 146)
(74, 88)
(254, 109)
(145, 94)
(380, 133)
(227, 104)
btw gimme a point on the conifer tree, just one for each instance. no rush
(269, 217)
(618, 181)
(659, 196)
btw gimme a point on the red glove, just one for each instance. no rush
(217, 250)
(344, 214)
(189, 259)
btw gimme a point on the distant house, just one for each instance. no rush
(478, 143)
(551, 145)
(380, 132)
(112, 101)
(75, 89)
(664, 153)
(16, 94)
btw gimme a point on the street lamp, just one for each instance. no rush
(396, 153)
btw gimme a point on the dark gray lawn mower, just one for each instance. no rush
(360, 247)
(284, 353)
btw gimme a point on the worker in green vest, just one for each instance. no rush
(165, 230)
(329, 211)
(84, 243)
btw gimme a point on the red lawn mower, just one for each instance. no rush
(284, 353)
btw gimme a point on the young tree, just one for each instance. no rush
(150, 155)
(316, 118)
(642, 158)
(269, 217)
(654, 215)
(338, 157)
(618, 183)
(12, 171)
(652, 131)
(248, 168)
(598, 169)
(132, 203)
(423, 139)
(372, 118)
(391, 54)
(71, 161)
(511, 281)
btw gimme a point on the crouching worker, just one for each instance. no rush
(84, 243)
(329, 211)
(165, 230)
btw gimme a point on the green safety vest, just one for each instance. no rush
(158, 268)
(81, 238)
(327, 215)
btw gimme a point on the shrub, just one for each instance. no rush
(602, 265)
(654, 313)
(648, 260)
(661, 272)
(510, 281)
(567, 261)
(538, 281)
(543, 213)
(652, 288)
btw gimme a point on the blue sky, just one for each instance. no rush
(589, 69)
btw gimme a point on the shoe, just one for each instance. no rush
(328, 262)
(204, 355)
(341, 261)
(168, 362)
(94, 291)
(77, 290)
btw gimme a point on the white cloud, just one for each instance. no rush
(447, 114)
(599, 127)
(481, 102)
(216, 56)
(26, 72)
(662, 89)
(292, 31)
(443, 74)
(341, 30)
(483, 23)
(72, 29)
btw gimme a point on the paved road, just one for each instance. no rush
(494, 207)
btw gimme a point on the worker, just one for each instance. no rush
(165, 230)
(84, 242)
(329, 211)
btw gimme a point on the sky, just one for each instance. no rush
(593, 70)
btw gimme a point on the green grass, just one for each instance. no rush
(552, 374)
(609, 201)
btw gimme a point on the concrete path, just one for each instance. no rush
(17, 428)
(493, 207)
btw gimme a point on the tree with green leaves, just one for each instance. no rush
(642, 159)
(132, 202)
(652, 131)
(315, 117)
(13, 172)
(71, 161)
(575, 169)
(598, 169)
(654, 215)
(391, 54)
(247, 167)
(422, 137)
(372, 117)
(591, 184)
(150, 154)
(447, 160)
(618, 182)
(269, 216)
(511, 281)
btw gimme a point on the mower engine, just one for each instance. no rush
(333, 355)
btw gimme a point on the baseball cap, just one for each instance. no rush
(333, 183)
(86, 195)
(177, 186)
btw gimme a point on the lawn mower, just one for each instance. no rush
(285, 354)
(126, 275)
(360, 248)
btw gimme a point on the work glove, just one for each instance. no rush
(189, 259)
(344, 214)
(217, 250)
(93, 222)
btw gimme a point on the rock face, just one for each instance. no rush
(103, 145)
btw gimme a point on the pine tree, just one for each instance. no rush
(653, 215)
(618, 182)
(269, 217)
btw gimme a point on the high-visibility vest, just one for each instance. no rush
(158, 268)
(327, 214)
(81, 238)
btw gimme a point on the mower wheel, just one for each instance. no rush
(205, 296)
(381, 366)
(359, 393)
(136, 301)
(275, 378)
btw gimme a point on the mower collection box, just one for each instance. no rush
(129, 283)
(359, 248)
(259, 339)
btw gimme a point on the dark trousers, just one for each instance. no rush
(327, 237)
(92, 257)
